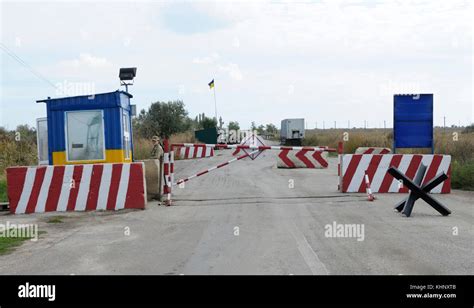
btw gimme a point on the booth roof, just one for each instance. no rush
(68, 97)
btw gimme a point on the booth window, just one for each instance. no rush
(126, 134)
(85, 135)
(42, 140)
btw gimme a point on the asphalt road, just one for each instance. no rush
(252, 218)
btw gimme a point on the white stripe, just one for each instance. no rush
(426, 160)
(123, 187)
(380, 172)
(166, 158)
(43, 195)
(443, 167)
(65, 188)
(208, 151)
(359, 174)
(26, 192)
(83, 193)
(199, 152)
(213, 168)
(190, 153)
(346, 159)
(182, 151)
(104, 187)
(403, 166)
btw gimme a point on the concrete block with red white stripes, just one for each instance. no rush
(372, 150)
(76, 188)
(302, 159)
(354, 166)
(195, 151)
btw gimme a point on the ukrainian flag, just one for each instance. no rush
(211, 84)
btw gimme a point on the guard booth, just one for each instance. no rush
(86, 129)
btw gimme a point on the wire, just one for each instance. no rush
(23, 63)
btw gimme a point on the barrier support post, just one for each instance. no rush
(166, 172)
(340, 150)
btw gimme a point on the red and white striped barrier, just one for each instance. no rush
(302, 159)
(354, 166)
(214, 168)
(256, 147)
(195, 151)
(76, 188)
(372, 150)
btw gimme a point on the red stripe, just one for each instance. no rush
(195, 152)
(203, 172)
(446, 189)
(114, 186)
(16, 177)
(301, 156)
(371, 169)
(388, 179)
(350, 171)
(31, 206)
(236, 151)
(222, 165)
(411, 171)
(369, 151)
(76, 177)
(94, 187)
(385, 151)
(55, 189)
(433, 168)
(212, 152)
(284, 157)
(136, 191)
(317, 155)
(186, 153)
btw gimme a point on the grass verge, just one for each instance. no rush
(462, 175)
(8, 244)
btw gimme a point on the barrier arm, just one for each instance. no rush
(213, 168)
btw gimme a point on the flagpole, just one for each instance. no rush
(215, 101)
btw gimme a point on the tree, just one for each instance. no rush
(233, 125)
(208, 123)
(162, 119)
(253, 126)
(261, 130)
(271, 129)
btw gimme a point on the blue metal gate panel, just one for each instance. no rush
(413, 121)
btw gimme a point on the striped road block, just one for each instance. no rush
(305, 158)
(372, 150)
(196, 151)
(76, 188)
(354, 167)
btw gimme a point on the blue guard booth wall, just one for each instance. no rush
(89, 129)
(413, 121)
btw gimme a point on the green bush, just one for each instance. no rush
(462, 175)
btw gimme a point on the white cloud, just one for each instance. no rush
(87, 60)
(232, 70)
(206, 60)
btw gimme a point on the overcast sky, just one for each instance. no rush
(321, 60)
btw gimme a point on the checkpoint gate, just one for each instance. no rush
(168, 159)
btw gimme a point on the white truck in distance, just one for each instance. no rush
(292, 131)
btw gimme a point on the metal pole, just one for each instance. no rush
(215, 100)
